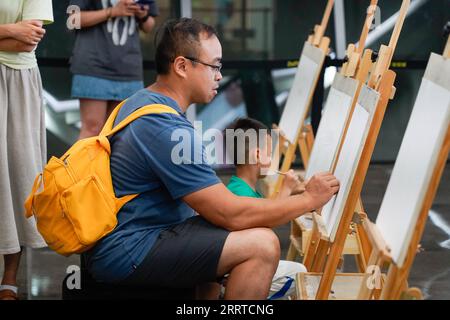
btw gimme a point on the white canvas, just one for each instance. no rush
(330, 129)
(296, 108)
(412, 172)
(349, 158)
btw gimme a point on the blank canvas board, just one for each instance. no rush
(332, 124)
(349, 157)
(410, 178)
(296, 108)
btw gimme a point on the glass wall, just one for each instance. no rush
(268, 30)
(245, 27)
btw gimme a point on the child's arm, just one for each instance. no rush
(290, 183)
(300, 188)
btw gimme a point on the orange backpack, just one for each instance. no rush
(76, 205)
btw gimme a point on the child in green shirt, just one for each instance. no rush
(251, 159)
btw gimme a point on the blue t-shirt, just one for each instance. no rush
(141, 162)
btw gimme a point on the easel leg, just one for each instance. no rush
(309, 138)
(312, 248)
(364, 245)
(320, 257)
(305, 144)
(292, 253)
(295, 233)
(288, 159)
(304, 150)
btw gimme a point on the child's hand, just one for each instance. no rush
(299, 189)
(290, 182)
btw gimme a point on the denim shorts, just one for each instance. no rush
(89, 87)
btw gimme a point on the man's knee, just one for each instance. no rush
(266, 244)
(241, 246)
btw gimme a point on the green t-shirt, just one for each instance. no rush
(12, 11)
(240, 188)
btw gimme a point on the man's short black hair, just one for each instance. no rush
(244, 126)
(179, 37)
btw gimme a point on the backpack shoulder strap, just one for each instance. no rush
(112, 117)
(148, 109)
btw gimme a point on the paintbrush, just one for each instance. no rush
(285, 173)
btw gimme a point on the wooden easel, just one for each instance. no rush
(447, 49)
(399, 261)
(304, 137)
(326, 252)
(357, 67)
(395, 286)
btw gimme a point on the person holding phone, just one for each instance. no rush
(144, 2)
(107, 61)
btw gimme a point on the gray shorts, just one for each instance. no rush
(183, 256)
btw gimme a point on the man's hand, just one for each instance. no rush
(321, 188)
(124, 8)
(29, 32)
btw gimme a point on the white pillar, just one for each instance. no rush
(186, 12)
(339, 27)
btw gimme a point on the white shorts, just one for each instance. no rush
(283, 282)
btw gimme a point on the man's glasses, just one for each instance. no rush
(216, 68)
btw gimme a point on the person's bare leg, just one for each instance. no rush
(208, 291)
(11, 267)
(93, 114)
(111, 106)
(251, 258)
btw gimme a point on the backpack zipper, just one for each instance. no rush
(100, 186)
(69, 170)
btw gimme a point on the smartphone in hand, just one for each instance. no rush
(144, 2)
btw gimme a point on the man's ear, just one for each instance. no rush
(255, 156)
(180, 67)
